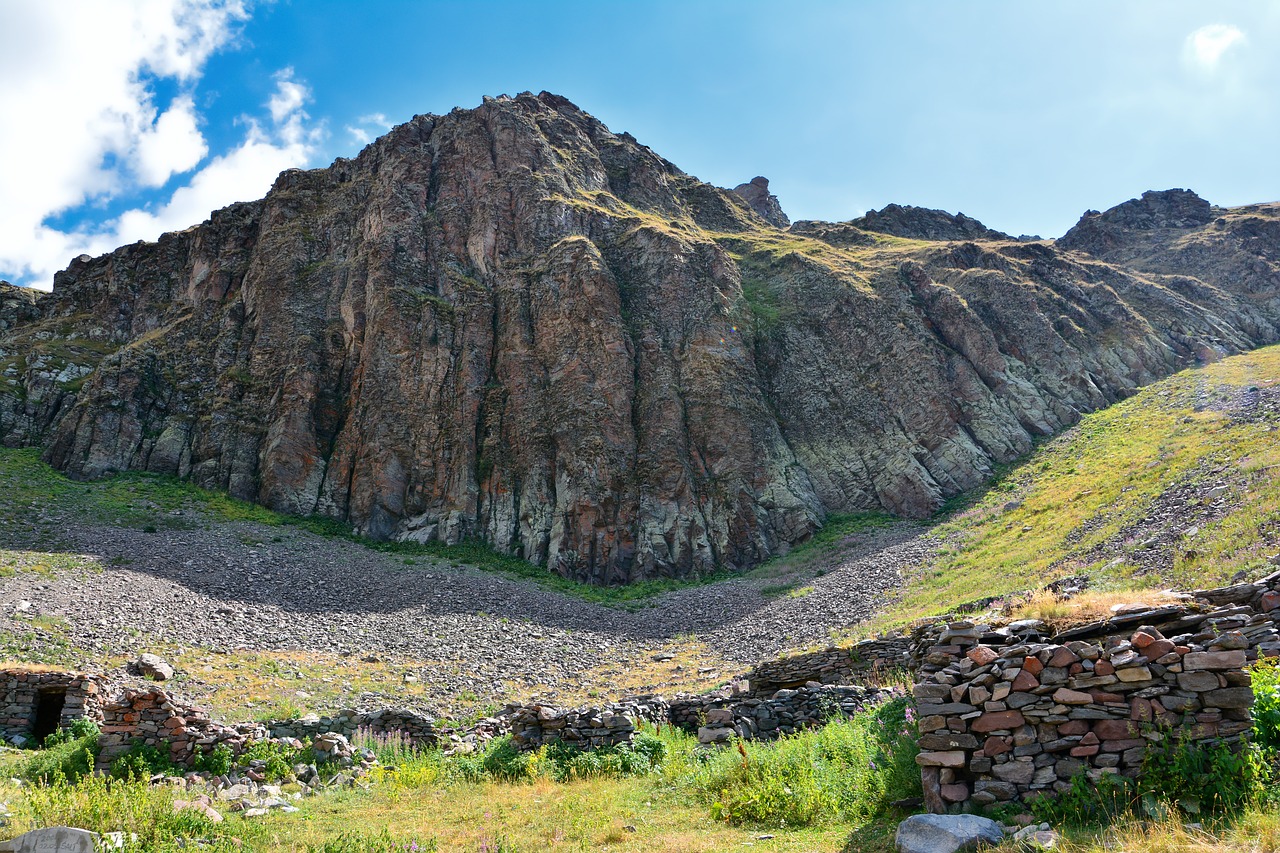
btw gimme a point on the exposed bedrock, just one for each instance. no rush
(511, 324)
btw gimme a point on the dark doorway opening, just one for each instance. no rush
(48, 714)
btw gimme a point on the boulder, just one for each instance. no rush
(937, 833)
(56, 839)
(153, 666)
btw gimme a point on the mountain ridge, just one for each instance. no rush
(512, 324)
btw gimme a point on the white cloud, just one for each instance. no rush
(242, 174)
(84, 124)
(367, 126)
(172, 146)
(1206, 46)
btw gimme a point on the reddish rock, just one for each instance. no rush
(1024, 681)
(1063, 657)
(1270, 601)
(1158, 649)
(1103, 667)
(981, 655)
(1141, 639)
(1102, 697)
(997, 745)
(1140, 710)
(997, 721)
(1067, 696)
(1073, 727)
(1115, 729)
(1032, 665)
(1085, 751)
(955, 793)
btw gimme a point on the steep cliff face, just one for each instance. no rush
(511, 323)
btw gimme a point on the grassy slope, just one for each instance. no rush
(1050, 515)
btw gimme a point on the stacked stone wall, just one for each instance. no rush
(537, 725)
(415, 727)
(1021, 721)
(718, 719)
(20, 692)
(832, 665)
(153, 717)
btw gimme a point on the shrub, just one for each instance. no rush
(1087, 803)
(277, 758)
(217, 761)
(849, 770)
(99, 804)
(1266, 706)
(1198, 777)
(142, 761)
(68, 754)
(564, 762)
(503, 761)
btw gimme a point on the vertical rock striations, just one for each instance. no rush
(510, 323)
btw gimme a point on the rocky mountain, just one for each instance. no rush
(766, 204)
(512, 324)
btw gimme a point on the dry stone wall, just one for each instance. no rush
(1005, 715)
(74, 695)
(832, 665)
(153, 717)
(415, 727)
(719, 719)
(537, 725)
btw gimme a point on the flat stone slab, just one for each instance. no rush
(941, 833)
(57, 839)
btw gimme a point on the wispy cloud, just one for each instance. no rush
(367, 127)
(1206, 47)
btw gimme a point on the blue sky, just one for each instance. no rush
(125, 120)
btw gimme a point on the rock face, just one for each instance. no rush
(1098, 233)
(921, 223)
(763, 202)
(512, 324)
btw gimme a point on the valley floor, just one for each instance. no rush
(265, 618)
(274, 612)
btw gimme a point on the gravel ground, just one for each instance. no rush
(230, 586)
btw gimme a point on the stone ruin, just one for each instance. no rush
(1006, 713)
(153, 717)
(1010, 715)
(36, 703)
(833, 665)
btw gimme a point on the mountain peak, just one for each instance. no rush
(756, 193)
(1098, 233)
(922, 223)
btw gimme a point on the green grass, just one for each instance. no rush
(1044, 517)
(816, 790)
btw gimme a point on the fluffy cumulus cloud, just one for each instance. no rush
(1206, 47)
(86, 126)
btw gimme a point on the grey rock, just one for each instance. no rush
(153, 667)
(934, 833)
(58, 839)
